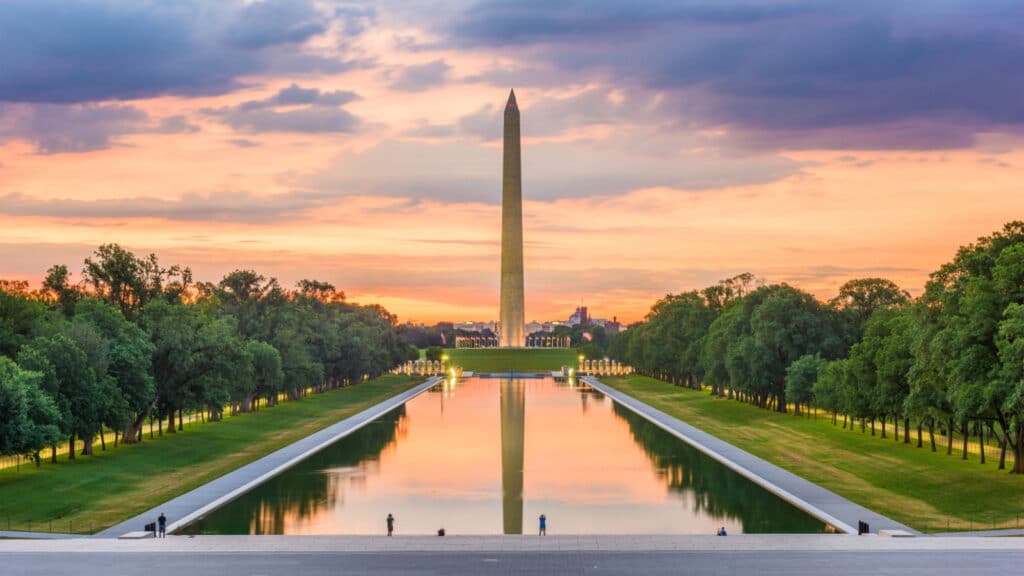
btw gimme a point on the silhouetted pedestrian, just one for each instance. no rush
(543, 525)
(391, 524)
(161, 523)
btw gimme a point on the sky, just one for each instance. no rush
(666, 144)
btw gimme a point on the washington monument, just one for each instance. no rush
(512, 323)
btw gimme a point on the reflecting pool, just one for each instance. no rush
(489, 456)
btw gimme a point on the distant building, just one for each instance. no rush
(533, 327)
(580, 316)
(612, 326)
(475, 326)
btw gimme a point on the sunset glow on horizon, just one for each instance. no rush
(665, 145)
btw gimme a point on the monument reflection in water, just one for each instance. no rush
(489, 456)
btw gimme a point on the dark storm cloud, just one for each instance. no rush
(272, 22)
(56, 129)
(293, 109)
(68, 51)
(295, 95)
(805, 74)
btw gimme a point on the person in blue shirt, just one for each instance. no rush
(721, 531)
(543, 525)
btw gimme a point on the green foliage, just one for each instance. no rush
(19, 315)
(434, 353)
(69, 380)
(28, 418)
(800, 378)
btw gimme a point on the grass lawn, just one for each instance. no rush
(89, 494)
(928, 491)
(502, 360)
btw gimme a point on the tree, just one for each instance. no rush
(121, 279)
(19, 315)
(69, 380)
(957, 359)
(58, 290)
(828, 388)
(28, 418)
(800, 378)
(434, 353)
(127, 380)
(860, 298)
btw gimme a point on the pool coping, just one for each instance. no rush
(195, 503)
(821, 503)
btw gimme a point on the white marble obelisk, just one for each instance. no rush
(512, 316)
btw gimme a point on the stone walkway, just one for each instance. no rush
(191, 505)
(985, 533)
(821, 503)
(531, 543)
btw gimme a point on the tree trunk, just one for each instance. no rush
(170, 422)
(103, 441)
(116, 433)
(873, 427)
(181, 420)
(981, 441)
(1018, 451)
(53, 453)
(931, 432)
(919, 434)
(87, 446)
(71, 447)
(844, 421)
(967, 434)
(1002, 453)
(906, 432)
(949, 437)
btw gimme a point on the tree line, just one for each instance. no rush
(951, 359)
(133, 342)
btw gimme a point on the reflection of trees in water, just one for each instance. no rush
(312, 486)
(717, 491)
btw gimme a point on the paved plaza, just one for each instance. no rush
(315, 555)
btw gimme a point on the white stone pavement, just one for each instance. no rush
(817, 501)
(191, 505)
(531, 543)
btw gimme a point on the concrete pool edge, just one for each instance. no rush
(821, 503)
(186, 508)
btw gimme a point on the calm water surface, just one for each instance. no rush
(489, 456)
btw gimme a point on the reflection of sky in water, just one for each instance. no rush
(589, 466)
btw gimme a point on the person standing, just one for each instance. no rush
(543, 525)
(161, 524)
(391, 524)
